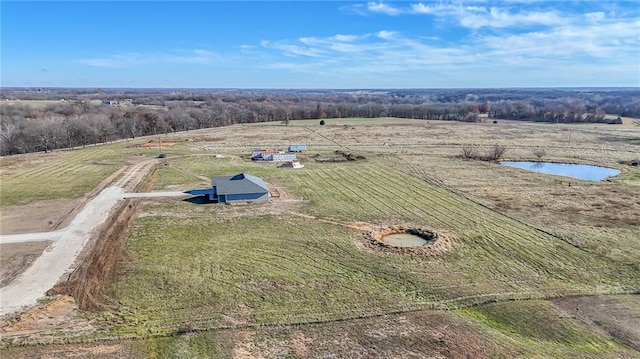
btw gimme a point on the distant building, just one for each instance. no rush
(242, 187)
(273, 156)
(297, 148)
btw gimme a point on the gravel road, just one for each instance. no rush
(57, 261)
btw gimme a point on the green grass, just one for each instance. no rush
(632, 176)
(541, 327)
(194, 267)
(66, 174)
(284, 269)
(188, 171)
(203, 269)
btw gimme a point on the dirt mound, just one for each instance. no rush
(54, 318)
(158, 144)
(340, 156)
(438, 241)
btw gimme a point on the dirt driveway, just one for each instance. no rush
(58, 260)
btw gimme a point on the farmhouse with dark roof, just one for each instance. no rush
(242, 187)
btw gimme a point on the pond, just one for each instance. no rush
(584, 172)
(404, 240)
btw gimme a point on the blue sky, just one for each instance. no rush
(325, 44)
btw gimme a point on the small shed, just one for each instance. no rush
(297, 147)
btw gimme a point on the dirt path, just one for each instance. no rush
(32, 237)
(58, 261)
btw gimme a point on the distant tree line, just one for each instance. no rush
(81, 117)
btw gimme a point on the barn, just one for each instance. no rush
(242, 187)
(297, 147)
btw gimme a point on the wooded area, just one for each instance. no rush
(68, 118)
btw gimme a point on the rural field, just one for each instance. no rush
(533, 266)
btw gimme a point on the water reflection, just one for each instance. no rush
(585, 172)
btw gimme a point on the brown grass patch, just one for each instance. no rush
(157, 144)
(40, 216)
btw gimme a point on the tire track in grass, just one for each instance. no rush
(319, 181)
(509, 251)
(382, 197)
(544, 242)
(344, 294)
(342, 192)
(503, 223)
(397, 188)
(347, 188)
(398, 206)
(61, 161)
(458, 207)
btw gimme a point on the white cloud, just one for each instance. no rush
(597, 41)
(344, 38)
(114, 61)
(197, 56)
(444, 9)
(386, 35)
(582, 49)
(380, 7)
(475, 16)
(595, 17)
(294, 50)
(499, 18)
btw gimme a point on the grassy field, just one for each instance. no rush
(37, 104)
(63, 173)
(231, 271)
(294, 278)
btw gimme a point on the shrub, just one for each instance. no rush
(469, 152)
(539, 152)
(495, 153)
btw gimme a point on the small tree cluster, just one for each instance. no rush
(495, 153)
(469, 152)
(492, 155)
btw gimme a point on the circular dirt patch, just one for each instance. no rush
(402, 240)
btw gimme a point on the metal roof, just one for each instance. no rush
(240, 183)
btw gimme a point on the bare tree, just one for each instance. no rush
(496, 153)
(469, 152)
(539, 152)
(9, 137)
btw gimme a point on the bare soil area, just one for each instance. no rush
(280, 202)
(38, 216)
(16, 257)
(158, 144)
(424, 334)
(49, 321)
(617, 315)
